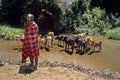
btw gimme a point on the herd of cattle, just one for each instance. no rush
(79, 42)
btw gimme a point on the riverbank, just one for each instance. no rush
(102, 63)
(54, 71)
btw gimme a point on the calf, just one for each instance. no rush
(83, 35)
(70, 41)
(96, 44)
(41, 41)
(48, 40)
(61, 39)
(52, 37)
(58, 37)
(19, 38)
(89, 40)
(81, 44)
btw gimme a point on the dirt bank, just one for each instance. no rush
(53, 71)
(10, 72)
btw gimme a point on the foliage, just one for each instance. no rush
(91, 20)
(96, 19)
(46, 12)
(49, 17)
(115, 21)
(111, 6)
(7, 32)
(75, 19)
(80, 16)
(113, 34)
(11, 11)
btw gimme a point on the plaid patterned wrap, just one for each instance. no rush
(30, 44)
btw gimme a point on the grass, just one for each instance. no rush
(7, 32)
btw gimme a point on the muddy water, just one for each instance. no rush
(108, 58)
(8, 49)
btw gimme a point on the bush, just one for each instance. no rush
(113, 34)
(7, 32)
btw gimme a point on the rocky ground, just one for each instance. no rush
(53, 71)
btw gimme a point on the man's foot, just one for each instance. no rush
(35, 67)
(22, 64)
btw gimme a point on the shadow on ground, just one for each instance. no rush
(25, 69)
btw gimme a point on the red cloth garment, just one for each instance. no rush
(30, 44)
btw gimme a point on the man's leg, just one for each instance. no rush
(36, 62)
(31, 62)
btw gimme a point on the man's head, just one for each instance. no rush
(30, 17)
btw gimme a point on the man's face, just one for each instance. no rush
(29, 19)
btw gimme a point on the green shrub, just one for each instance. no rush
(7, 32)
(113, 34)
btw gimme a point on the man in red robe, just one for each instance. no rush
(30, 43)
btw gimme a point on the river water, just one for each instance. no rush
(108, 58)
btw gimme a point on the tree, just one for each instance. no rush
(12, 10)
(47, 14)
(111, 6)
(70, 19)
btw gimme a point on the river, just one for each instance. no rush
(108, 58)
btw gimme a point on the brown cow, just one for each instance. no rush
(81, 44)
(70, 41)
(96, 44)
(41, 41)
(52, 37)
